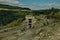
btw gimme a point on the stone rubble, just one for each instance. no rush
(44, 29)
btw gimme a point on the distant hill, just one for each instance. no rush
(46, 11)
(12, 7)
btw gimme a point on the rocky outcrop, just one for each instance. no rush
(44, 29)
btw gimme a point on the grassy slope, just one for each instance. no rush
(7, 17)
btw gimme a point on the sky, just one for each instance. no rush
(33, 4)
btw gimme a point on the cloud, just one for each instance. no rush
(34, 6)
(11, 2)
(45, 6)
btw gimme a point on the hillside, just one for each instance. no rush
(44, 29)
(13, 25)
(9, 16)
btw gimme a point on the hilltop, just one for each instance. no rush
(11, 7)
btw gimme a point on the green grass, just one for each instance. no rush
(57, 15)
(12, 24)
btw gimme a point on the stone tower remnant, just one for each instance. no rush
(30, 20)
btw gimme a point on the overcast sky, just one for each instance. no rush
(33, 4)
